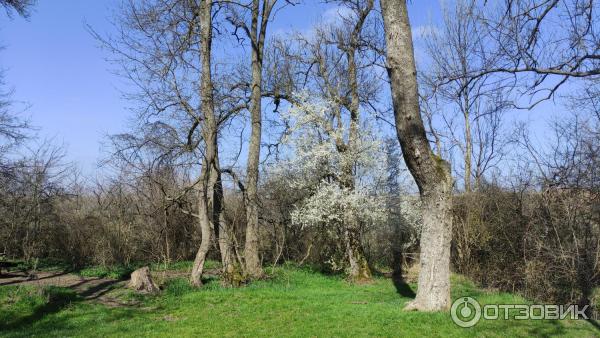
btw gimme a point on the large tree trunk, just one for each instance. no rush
(431, 173)
(251, 249)
(231, 268)
(204, 190)
(232, 274)
(257, 38)
(359, 267)
(209, 132)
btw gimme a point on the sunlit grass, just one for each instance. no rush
(294, 302)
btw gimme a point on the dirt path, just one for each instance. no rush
(48, 278)
(88, 288)
(101, 290)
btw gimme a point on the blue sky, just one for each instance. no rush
(56, 66)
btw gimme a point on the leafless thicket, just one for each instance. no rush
(207, 169)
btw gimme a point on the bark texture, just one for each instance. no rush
(204, 190)
(209, 132)
(431, 173)
(232, 274)
(210, 189)
(258, 31)
(142, 281)
(468, 143)
(359, 267)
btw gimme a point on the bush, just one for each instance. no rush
(544, 245)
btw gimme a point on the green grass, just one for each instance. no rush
(114, 272)
(183, 265)
(123, 271)
(295, 302)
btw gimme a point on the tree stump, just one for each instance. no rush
(142, 281)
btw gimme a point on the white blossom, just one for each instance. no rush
(316, 166)
(330, 203)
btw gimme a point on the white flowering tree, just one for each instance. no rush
(340, 170)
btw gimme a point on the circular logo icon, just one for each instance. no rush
(465, 312)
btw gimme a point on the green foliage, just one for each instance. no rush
(293, 302)
(114, 272)
(123, 272)
(183, 265)
(177, 287)
(180, 265)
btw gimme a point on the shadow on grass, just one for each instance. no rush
(552, 328)
(25, 275)
(99, 290)
(594, 323)
(556, 328)
(401, 286)
(59, 298)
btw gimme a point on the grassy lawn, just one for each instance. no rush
(295, 302)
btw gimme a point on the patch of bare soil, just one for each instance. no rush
(88, 288)
(100, 290)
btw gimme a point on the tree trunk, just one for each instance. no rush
(468, 143)
(209, 132)
(231, 271)
(257, 38)
(232, 274)
(359, 268)
(251, 249)
(431, 173)
(204, 191)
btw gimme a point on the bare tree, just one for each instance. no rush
(165, 48)
(209, 175)
(252, 18)
(20, 6)
(431, 173)
(13, 129)
(531, 48)
(457, 48)
(539, 45)
(30, 189)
